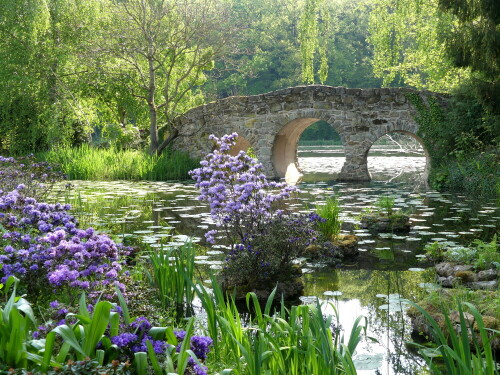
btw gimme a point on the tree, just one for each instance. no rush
(475, 43)
(406, 35)
(157, 52)
(265, 53)
(41, 100)
(314, 28)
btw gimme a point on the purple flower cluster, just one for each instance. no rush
(41, 240)
(135, 338)
(200, 345)
(240, 197)
(36, 178)
(136, 335)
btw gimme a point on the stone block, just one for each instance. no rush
(322, 105)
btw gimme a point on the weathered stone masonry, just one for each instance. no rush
(272, 123)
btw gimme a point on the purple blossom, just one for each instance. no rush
(240, 198)
(123, 340)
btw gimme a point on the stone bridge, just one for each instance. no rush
(272, 124)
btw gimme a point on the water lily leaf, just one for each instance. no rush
(368, 361)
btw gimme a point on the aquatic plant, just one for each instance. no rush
(173, 274)
(463, 351)
(242, 201)
(385, 205)
(330, 211)
(299, 340)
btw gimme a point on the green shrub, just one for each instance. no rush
(482, 255)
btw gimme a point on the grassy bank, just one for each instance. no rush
(88, 163)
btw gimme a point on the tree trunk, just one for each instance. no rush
(153, 129)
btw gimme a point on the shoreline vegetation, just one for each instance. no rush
(89, 324)
(92, 163)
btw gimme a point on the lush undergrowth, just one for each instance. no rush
(463, 142)
(90, 163)
(90, 305)
(477, 175)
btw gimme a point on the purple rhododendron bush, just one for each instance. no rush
(250, 214)
(77, 280)
(45, 250)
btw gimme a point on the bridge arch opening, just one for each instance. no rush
(242, 144)
(286, 150)
(398, 156)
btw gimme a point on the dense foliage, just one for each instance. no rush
(73, 69)
(45, 255)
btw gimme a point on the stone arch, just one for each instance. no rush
(418, 139)
(284, 150)
(272, 123)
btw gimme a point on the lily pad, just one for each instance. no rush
(365, 362)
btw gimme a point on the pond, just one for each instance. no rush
(388, 269)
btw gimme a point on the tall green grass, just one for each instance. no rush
(173, 275)
(295, 341)
(90, 163)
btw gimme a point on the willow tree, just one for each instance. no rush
(41, 98)
(407, 36)
(155, 53)
(474, 43)
(314, 31)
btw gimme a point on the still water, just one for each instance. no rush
(388, 269)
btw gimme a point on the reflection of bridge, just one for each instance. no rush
(272, 123)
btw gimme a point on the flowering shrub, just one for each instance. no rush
(42, 241)
(36, 177)
(242, 201)
(265, 241)
(264, 259)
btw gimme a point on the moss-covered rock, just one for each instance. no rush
(381, 223)
(347, 244)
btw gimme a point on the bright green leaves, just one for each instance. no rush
(16, 321)
(314, 29)
(407, 37)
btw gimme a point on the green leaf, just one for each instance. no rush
(94, 332)
(141, 363)
(69, 338)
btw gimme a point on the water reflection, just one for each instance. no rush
(156, 213)
(364, 292)
(385, 164)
